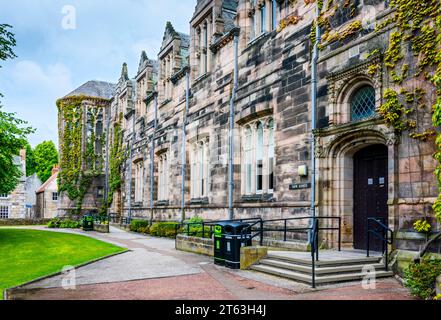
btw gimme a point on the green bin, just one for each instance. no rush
(88, 223)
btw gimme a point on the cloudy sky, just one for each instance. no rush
(54, 59)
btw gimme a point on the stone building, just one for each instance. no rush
(47, 197)
(20, 204)
(83, 117)
(364, 167)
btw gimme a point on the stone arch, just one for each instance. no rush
(336, 169)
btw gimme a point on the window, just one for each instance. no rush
(4, 212)
(258, 157)
(54, 196)
(263, 18)
(139, 181)
(363, 103)
(100, 192)
(4, 196)
(163, 173)
(199, 170)
(273, 14)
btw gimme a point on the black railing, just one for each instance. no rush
(378, 228)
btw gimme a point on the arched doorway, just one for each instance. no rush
(370, 192)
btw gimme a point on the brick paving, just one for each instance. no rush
(154, 270)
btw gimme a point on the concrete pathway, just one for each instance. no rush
(153, 269)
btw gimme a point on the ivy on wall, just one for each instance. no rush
(414, 52)
(117, 157)
(79, 167)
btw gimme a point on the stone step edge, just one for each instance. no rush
(325, 263)
(319, 270)
(319, 280)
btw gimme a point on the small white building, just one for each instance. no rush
(47, 197)
(20, 203)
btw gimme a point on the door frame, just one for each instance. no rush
(335, 176)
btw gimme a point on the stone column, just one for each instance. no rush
(209, 36)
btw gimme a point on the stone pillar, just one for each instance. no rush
(209, 36)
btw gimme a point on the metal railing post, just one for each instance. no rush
(339, 233)
(386, 264)
(284, 234)
(203, 230)
(317, 228)
(261, 232)
(367, 238)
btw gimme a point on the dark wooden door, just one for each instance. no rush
(370, 192)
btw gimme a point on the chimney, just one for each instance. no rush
(23, 154)
(55, 169)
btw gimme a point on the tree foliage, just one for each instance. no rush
(13, 131)
(13, 134)
(45, 157)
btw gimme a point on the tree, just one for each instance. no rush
(45, 157)
(12, 130)
(12, 139)
(31, 166)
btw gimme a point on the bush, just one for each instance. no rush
(195, 228)
(165, 229)
(420, 278)
(58, 223)
(136, 225)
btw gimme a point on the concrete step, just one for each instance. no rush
(320, 270)
(320, 280)
(323, 263)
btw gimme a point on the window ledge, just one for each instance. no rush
(162, 203)
(200, 78)
(199, 201)
(258, 198)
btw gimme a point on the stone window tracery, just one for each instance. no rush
(163, 178)
(199, 167)
(258, 157)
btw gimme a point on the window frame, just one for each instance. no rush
(55, 196)
(5, 212)
(257, 169)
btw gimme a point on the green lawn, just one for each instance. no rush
(29, 254)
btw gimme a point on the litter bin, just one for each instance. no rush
(88, 223)
(219, 243)
(237, 235)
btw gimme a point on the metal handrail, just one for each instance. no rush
(383, 234)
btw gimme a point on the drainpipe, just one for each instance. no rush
(231, 130)
(130, 165)
(106, 190)
(315, 56)
(152, 158)
(183, 142)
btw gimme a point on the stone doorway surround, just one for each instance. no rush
(335, 151)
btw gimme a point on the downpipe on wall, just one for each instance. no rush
(132, 143)
(183, 142)
(231, 129)
(152, 158)
(315, 56)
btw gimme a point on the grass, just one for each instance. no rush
(26, 255)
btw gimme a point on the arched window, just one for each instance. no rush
(199, 170)
(163, 172)
(271, 156)
(258, 157)
(248, 159)
(363, 103)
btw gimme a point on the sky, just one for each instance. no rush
(63, 44)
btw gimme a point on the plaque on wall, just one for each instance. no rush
(299, 186)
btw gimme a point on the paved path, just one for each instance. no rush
(153, 269)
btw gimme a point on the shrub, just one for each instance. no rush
(195, 228)
(136, 225)
(58, 223)
(420, 278)
(145, 230)
(165, 229)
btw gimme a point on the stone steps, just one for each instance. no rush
(320, 270)
(330, 269)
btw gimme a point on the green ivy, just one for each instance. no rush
(78, 168)
(418, 30)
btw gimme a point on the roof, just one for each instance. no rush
(47, 183)
(98, 89)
